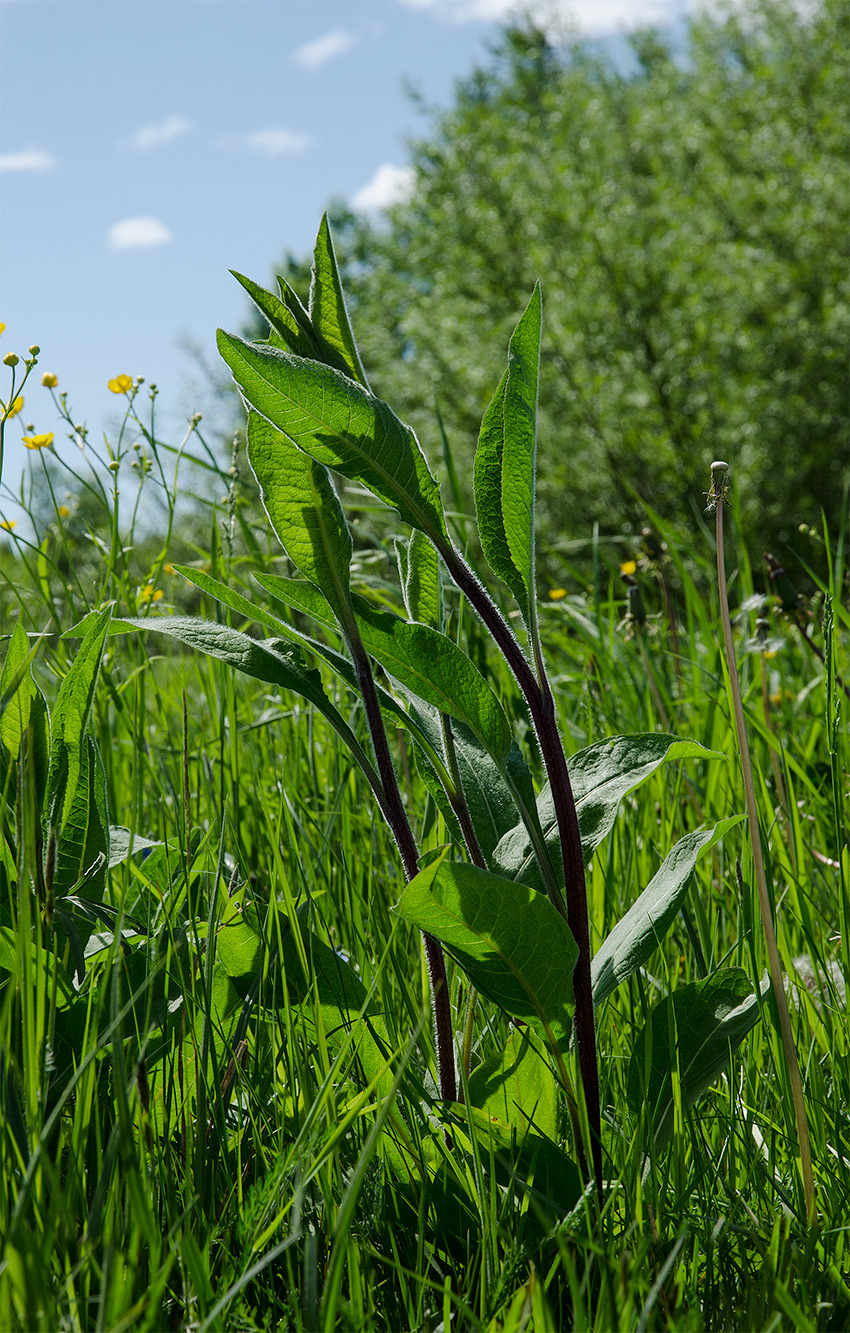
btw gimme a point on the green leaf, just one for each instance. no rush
(517, 1087)
(340, 424)
(641, 930)
(124, 844)
(304, 511)
(423, 660)
(76, 789)
(327, 305)
(18, 690)
(600, 775)
(82, 847)
(281, 320)
(512, 943)
(489, 797)
(506, 464)
(421, 585)
(696, 1026)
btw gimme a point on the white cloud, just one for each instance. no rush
(589, 17)
(271, 142)
(31, 159)
(138, 234)
(151, 136)
(312, 55)
(389, 185)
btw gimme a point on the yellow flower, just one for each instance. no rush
(64, 511)
(38, 441)
(628, 567)
(148, 594)
(556, 594)
(2, 328)
(122, 384)
(770, 652)
(14, 408)
(49, 380)
(8, 523)
(776, 699)
(168, 569)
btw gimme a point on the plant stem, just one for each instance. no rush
(396, 816)
(541, 705)
(716, 496)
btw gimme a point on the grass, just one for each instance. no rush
(157, 1174)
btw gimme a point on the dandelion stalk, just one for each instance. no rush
(716, 495)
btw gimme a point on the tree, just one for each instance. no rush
(688, 219)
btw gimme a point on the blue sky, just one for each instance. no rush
(148, 146)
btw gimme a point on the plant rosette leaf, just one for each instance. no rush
(517, 1087)
(512, 943)
(694, 1030)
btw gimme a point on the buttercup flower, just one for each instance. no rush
(556, 594)
(121, 384)
(168, 569)
(628, 567)
(49, 380)
(64, 511)
(14, 408)
(8, 523)
(38, 441)
(2, 328)
(149, 594)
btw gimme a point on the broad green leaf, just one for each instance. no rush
(123, 844)
(340, 424)
(421, 586)
(327, 305)
(304, 511)
(700, 1024)
(423, 660)
(512, 943)
(517, 1087)
(506, 463)
(641, 930)
(600, 775)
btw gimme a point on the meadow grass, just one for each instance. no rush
(156, 1176)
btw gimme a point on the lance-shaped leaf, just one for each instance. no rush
(75, 804)
(512, 943)
(421, 585)
(641, 930)
(697, 1026)
(340, 424)
(600, 775)
(506, 464)
(289, 333)
(423, 660)
(304, 511)
(328, 313)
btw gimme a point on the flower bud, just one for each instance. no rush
(11, 359)
(35, 349)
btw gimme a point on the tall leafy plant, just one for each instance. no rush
(513, 913)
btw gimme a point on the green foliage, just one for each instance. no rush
(687, 210)
(218, 1103)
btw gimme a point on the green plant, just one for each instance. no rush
(514, 916)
